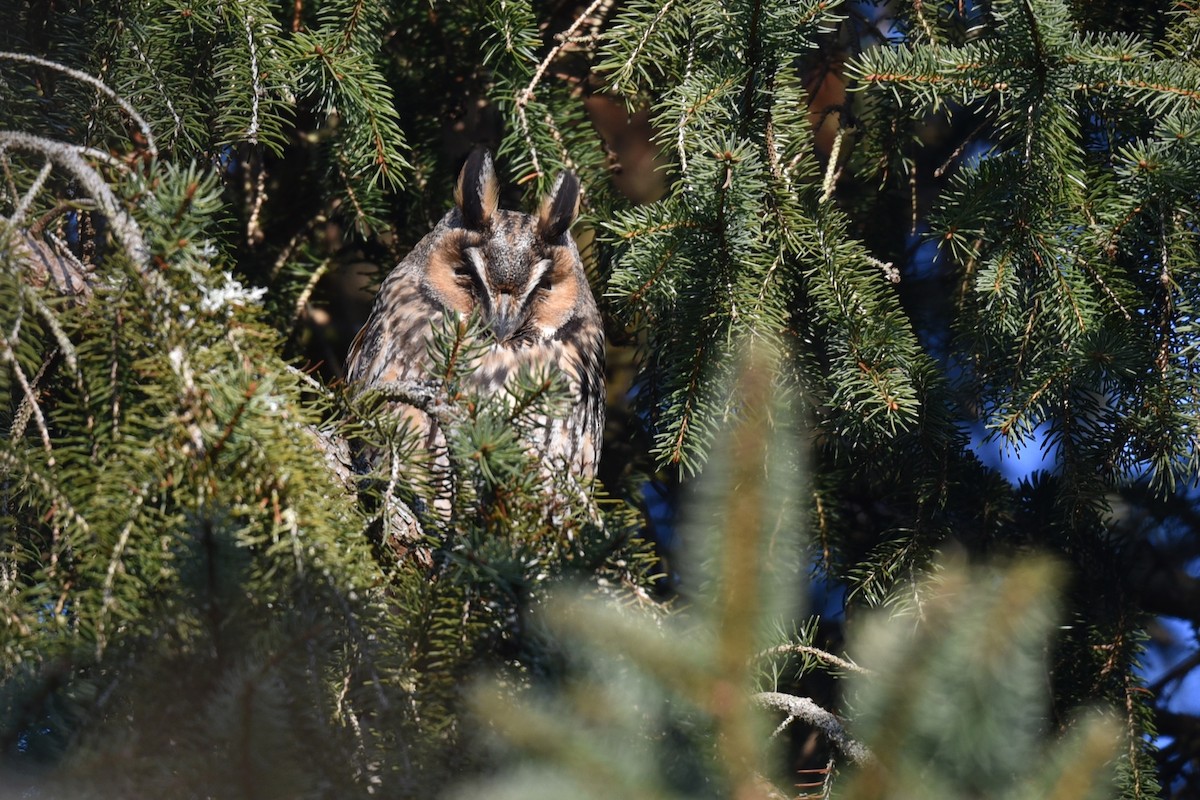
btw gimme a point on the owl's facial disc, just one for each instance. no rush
(507, 307)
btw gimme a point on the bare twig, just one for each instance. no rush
(301, 305)
(254, 232)
(427, 395)
(1166, 319)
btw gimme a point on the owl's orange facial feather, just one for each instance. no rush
(450, 276)
(558, 294)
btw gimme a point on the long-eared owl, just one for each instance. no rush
(523, 276)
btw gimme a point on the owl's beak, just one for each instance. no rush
(506, 316)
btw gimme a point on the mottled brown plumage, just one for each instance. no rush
(523, 275)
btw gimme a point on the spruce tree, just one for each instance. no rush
(877, 228)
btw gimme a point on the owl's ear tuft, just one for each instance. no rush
(477, 193)
(560, 207)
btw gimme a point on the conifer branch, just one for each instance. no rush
(919, 9)
(1027, 337)
(18, 215)
(348, 185)
(1104, 287)
(61, 339)
(59, 504)
(1167, 300)
(352, 23)
(100, 86)
(636, 53)
(115, 562)
(901, 78)
(1141, 85)
(526, 95)
(247, 493)
(66, 156)
(637, 294)
(9, 357)
(659, 228)
(804, 709)
(815, 652)
(1011, 419)
(754, 58)
(162, 89)
(1132, 736)
(256, 89)
(427, 395)
(685, 413)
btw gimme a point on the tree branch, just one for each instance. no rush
(805, 709)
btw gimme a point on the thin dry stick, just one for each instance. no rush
(254, 232)
(958, 151)
(1167, 282)
(606, 7)
(556, 134)
(526, 94)
(301, 306)
(294, 243)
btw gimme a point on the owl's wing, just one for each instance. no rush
(393, 344)
(354, 354)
